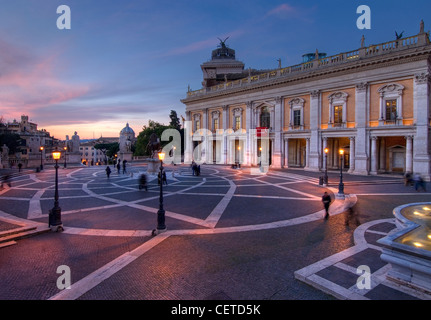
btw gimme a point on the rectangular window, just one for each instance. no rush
(391, 110)
(296, 118)
(216, 124)
(237, 123)
(338, 114)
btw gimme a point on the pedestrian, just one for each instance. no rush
(419, 182)
(124, 166)
(108, 171)
(407, 179)
(143, 182)
(194, 167)
(351, 216)
(326, 200)
(164, 179)
(19, 167)
(118, 167)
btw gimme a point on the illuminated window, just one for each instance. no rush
(216, 124)
(391, 109)
(237, 122)
(338, 114)
(337, 109)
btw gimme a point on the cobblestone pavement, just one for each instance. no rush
(231, 234)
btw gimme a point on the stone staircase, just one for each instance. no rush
(9, 237)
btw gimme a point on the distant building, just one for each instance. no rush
(29, 154)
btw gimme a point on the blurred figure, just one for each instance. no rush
(143, 182)
(419, 182)
(351, 217)
(408, 181)
(5, 180)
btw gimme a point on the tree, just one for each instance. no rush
(12, 140)
(175, 122)
(108, 149)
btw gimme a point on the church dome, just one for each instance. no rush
(127, 130)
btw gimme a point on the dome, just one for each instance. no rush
(127, 130)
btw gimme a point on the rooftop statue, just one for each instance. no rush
(223, 42)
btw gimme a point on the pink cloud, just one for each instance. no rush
(282, 10)
(28, 82)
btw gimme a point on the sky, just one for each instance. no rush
(129, 61)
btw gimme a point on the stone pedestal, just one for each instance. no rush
(128, 156)
(153, 166)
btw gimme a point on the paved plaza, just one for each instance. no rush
(231, 234)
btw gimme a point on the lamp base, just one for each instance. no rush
(156, 232)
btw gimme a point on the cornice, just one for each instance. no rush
(364, 64)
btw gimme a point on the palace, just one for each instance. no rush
(373, 102)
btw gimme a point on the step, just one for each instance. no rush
(23, 233)
(7, 244)
(15, 231)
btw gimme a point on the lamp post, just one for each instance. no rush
(341, 184)
(161, 227)
(325, 179)
(55, 213)
(41, 152)
(65, 154)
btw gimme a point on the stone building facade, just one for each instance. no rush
(373, 102)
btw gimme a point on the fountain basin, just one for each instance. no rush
(408, 249)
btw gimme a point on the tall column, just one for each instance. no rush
(250, 136)
(277, 151)
(382, 151)
(409, 154)
(188, 137)
(421, 105)
(225, 116)
(324, 146)
(374, 157)
(286, 153)
(205, 143)
(352, 155)
(314, 155)
(362, 140)
(307, 153)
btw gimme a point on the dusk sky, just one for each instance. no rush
(132, 60)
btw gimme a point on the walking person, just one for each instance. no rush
(164, 179)
(351, 217)
(124, 166)
(326, 200)
(108, 171)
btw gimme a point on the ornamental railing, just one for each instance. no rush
(346, 57)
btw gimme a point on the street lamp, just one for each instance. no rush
(341, 185)
(161, 227)
(65, 154)
(55, 213)
(41, 152)
(325, 180)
